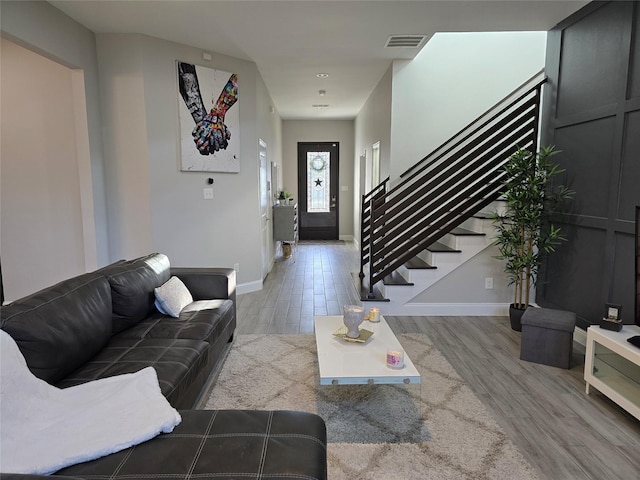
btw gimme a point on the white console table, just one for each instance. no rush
(612, 365)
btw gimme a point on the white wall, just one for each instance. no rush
(155, 206)
(270, 131)
(466, 285)
(455, 78)
(373, 124)
(342, 131)
(40, 28)
(41, 214)
(125, 131)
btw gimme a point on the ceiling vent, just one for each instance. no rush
(405, 41)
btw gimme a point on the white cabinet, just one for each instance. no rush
(285, 223)
(612, 365)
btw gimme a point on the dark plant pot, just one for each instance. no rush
(515, 317)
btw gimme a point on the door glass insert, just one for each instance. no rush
(318, 182)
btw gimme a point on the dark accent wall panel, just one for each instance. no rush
(630, 174)
(622, 285)
(595, 41)
(582, 297)
(586, 148)
(592, 113)
(634, 77)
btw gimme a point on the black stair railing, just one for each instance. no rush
(446, 187)
(370, 200)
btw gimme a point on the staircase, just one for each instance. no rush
(434, 218)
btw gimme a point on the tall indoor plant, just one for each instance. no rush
(524, 230)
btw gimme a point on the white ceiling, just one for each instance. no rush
(291, 41)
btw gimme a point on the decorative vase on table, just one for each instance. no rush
(353, 317)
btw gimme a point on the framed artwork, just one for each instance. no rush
(208, 109)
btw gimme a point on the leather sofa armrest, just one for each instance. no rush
(208, 283)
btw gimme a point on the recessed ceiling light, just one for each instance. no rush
(322, 75)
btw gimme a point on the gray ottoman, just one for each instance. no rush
(547, 336)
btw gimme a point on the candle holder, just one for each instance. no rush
(395, 358)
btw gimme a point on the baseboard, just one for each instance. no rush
(346, 238)
(580, 336)
(249, 287)
(447, 309)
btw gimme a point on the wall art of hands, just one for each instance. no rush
(210, 133)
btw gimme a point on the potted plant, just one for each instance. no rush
(524, 230)
(285, 198)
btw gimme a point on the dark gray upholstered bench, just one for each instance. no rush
(547, 337)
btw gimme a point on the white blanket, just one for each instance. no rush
(44, 428)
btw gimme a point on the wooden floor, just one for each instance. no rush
(562, 432)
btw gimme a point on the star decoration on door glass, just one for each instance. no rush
(318, 183)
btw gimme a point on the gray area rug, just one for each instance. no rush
(437, 430)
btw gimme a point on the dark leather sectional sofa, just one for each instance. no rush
(104, 323)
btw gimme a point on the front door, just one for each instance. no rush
(318, 191)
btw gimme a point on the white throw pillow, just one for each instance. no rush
(172, 297)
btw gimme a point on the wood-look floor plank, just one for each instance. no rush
(564, 433)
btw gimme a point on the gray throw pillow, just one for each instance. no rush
(172, 297)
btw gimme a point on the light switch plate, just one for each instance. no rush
(208, 193)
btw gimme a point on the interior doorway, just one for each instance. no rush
(375, 165)
(265, 206)
(318, 165)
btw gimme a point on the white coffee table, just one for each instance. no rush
(347, 363)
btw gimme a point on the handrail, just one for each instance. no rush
(442, 190)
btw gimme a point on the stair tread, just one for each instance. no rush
(396, 279)
(441, 247)
(417, 264)
(463, 231)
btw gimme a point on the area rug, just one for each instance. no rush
(436, 430)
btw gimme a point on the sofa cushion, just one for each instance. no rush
(202, 320)
(177, 362)
(60, 328)
(132, 288)
(172, 296)
(223, 444)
